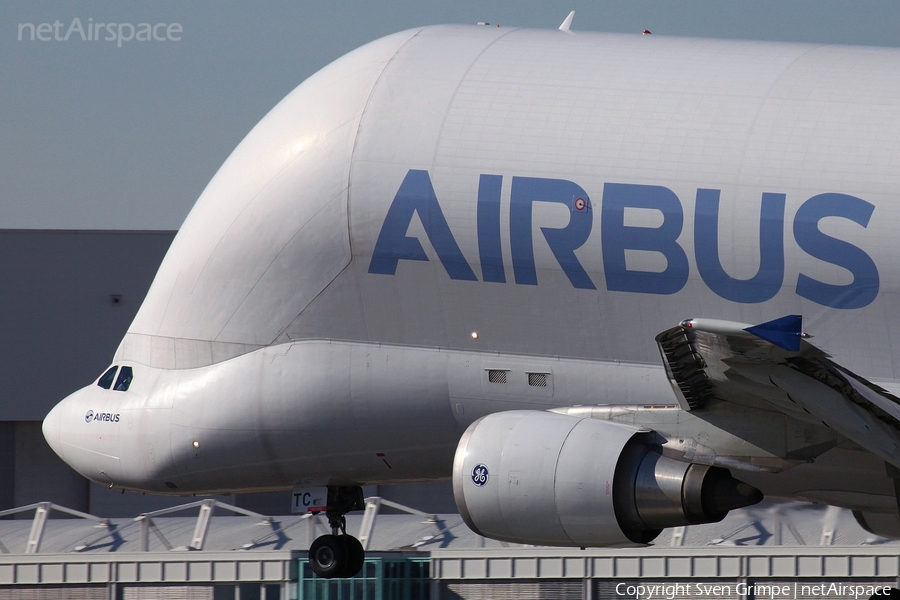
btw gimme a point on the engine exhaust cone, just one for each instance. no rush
(722, 493)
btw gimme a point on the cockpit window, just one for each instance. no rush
(124, 380)
(106, 381)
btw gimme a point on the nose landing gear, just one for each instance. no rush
(338, 554)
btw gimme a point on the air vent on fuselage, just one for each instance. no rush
(497, 375)
(538, 379)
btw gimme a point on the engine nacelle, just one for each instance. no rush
(534, 477)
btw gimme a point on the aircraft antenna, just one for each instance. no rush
(568, 22)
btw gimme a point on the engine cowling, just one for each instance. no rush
(534, 477)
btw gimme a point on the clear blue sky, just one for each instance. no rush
(94, 136)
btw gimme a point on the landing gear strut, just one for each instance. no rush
(338, 554)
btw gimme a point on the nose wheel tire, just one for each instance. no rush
(333, 556)
(328, 556)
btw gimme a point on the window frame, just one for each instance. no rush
(115, 371)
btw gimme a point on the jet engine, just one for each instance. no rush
(534, 477)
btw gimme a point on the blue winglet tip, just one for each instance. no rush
(785, 332)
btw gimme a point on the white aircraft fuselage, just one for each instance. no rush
(455, 221)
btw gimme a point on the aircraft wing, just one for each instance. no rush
(772, 365)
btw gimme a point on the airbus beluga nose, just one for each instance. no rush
(84, 428)
(266, 236)
(114, 431)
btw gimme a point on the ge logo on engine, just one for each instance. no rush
(89, 416)
(480, 475)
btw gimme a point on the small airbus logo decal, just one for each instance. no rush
(480, 475)
(91, 416)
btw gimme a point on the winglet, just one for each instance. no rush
(785, 332)
(568, 22)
